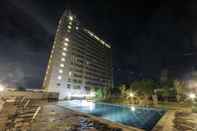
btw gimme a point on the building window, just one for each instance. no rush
(76, 87)
(77, 27)
(68, 86)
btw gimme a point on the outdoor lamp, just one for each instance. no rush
(192, 96)
(131, 94)
(1, 88)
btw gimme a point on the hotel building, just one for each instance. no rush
(79, 61)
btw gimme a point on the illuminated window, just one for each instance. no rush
(70, 23)
(65, 49)
(70, 73)
(77, 28)
(64, 54)
(63, 59)
(60, 71)
(68, 31)
(66, 44)
(70, 17)
(69, 27)
(61, 65)
(59, 77)
(66, 39)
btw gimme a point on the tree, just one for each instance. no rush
(181, 89)
(144, 88)
(123, 90)
(167, 87)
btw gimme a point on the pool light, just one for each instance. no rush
(132, 108)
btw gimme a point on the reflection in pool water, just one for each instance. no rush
(144, 118)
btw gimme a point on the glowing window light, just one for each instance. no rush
(63, 53)
(70, 73)
(69, 27)
(63, 59)
(77, 27)
(66, 39)
(61, 65)
(70, 23)
(60, 71)
(59, 77)
(70, 17)
(65, 49)
(66, 44)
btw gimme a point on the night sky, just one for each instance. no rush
(146, 36)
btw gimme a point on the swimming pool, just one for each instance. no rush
(144, 118)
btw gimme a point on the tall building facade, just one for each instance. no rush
(79, 61)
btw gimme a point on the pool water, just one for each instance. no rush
(144, 118)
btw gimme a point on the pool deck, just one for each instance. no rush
(57, 118)
(177, 119)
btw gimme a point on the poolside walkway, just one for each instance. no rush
(177, 118)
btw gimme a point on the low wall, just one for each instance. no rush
(32, 94)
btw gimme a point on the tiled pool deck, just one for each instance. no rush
(55, 118)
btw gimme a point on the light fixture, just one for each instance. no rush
(2, 88)
(66, 44)
(132, 108)
(69, 27)
(63, 53)
(192, 96)
(70, 17)
(61, 65)
(63, 59)
(59, 77)
(131, 94)
(66, 39)
(65, 49)
(60, 71)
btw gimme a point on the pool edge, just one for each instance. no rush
(108, 122)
